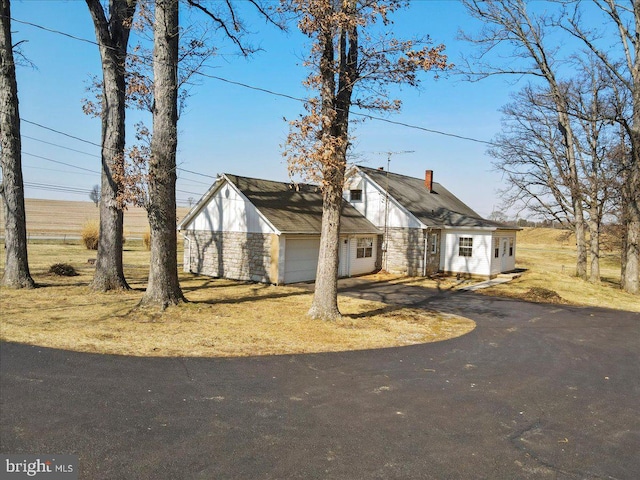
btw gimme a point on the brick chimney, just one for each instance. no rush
(428, 179)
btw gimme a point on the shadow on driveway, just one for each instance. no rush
(535, 391)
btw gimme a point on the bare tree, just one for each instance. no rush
(509, 23)
(16, 270)
(622, 61)
(530, 152)
(94, 195)
(112, 34)
(348, 68)
(592, 106)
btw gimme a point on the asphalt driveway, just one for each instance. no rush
(535, 391)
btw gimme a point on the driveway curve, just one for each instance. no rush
(535, 391)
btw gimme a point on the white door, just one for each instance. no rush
(301, 259)
(343, 268)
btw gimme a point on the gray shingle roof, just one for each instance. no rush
(296, 208)
(439, 208)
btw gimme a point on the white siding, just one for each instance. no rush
(372, 206)
(228, 211)
(360, 266)
(478, 264)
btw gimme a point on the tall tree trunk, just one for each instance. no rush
(164, 288)
(594, 246)
(572, 179)
(109, 274)
(336, 103)
(325, 297)
(16, 270)
(581, 242)
(631, 270)
(113, 36)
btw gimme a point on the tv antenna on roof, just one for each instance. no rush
(389, 154)
(385, 242)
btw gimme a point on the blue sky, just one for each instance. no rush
(231, 129)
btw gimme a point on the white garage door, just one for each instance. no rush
(301, 259)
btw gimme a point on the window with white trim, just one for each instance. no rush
(364, 247)
(465, 247)
(511, 247)
(355, 195)
(434, 243)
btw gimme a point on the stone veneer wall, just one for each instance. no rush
(405, 251)
(235, 255)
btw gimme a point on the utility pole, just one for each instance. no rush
(386, 204)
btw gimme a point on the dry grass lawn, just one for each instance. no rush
(548, 257)
(222, 318)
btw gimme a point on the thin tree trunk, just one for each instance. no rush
(16, 270)
(113, 36)
(573, 179)
(581, 242)
(164, 288)
(594, 246)
(631, 279)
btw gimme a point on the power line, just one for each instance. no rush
(65, 34)
(60, 146)
(91, 154)
(57, 188)
(61, 163)
(195, 173)
(60, 133)
(59, 171)
(279, 94)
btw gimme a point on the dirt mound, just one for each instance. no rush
(540, 294)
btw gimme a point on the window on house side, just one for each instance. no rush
(434, 243)
(465, 248)
(511, 247)
(364, 247)
(355, 195)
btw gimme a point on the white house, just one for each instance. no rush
(259, 230)
(426, 229)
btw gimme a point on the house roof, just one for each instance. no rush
(290, 208)
(436, 208)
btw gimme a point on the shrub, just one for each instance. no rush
(63, 270)
(90, 234)
(146, 240)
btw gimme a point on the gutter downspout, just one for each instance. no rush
(426, 247)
